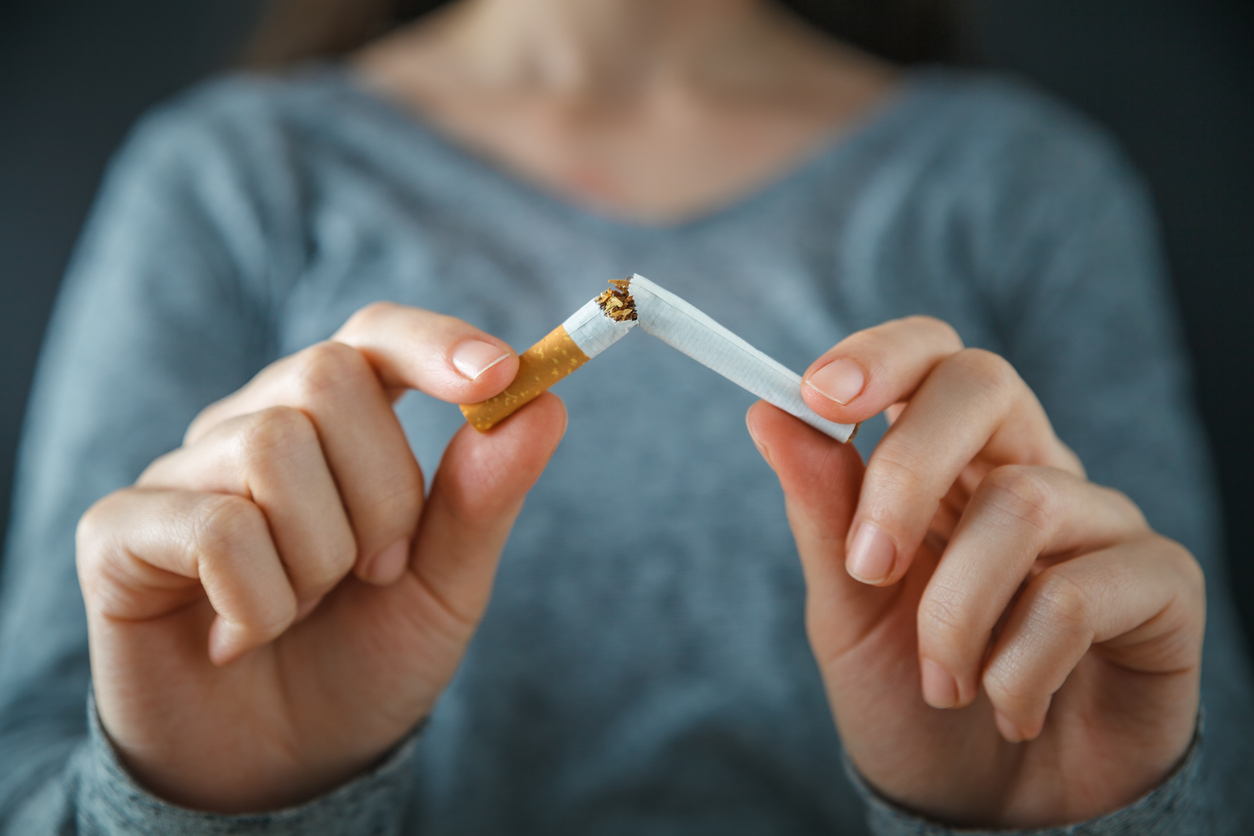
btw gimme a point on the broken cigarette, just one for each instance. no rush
(637, 301)
(590, 330)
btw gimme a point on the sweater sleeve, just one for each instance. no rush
(108, 801)
(167, 306)
(1175, 808)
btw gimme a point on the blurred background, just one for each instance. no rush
(1173, 79)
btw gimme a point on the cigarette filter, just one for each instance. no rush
(585, 334)
(637, 301)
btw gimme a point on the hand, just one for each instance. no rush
(970, 567)
(273, 605)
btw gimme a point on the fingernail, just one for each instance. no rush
(940, 690)
(474, 357)
(389, 564)
(871, 554)
(841, 380)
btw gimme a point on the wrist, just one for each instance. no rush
(113, 801)
(1175, 807)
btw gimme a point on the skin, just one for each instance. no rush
(1033, 656)
(275, 604)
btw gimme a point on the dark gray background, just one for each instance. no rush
(1174, 79)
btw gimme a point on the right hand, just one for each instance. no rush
(273, 605)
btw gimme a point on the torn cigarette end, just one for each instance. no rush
(587, 332)
(539, 367)
(617, 303)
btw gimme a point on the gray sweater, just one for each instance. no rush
(658, 681)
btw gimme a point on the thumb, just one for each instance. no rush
(477, 494)
(821, 479)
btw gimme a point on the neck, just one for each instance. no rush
(611, 47)
(648, 108)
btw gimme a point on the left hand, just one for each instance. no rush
(971, 567)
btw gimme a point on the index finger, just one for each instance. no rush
(442, 356)
(406, 348)
(869, 371)
(962, 402)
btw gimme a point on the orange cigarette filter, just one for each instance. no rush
(539, 367)
(586, 333)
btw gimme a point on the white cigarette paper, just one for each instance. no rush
(593, 330)
(637, 301)
(682, 326)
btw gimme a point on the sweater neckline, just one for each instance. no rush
(869, 125)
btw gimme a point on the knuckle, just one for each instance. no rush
(227, 524)
(365, 317)
(875, 346)
(327, 368)
(276, 433)
(336, 560)
(1061, 601)
(946, 332)
(1024, 493)
(940, 621)
(94, 530)
(989, 371)
(1007, 687)
(399, 499)
(225, 529)
(92, 527)
(896, 469)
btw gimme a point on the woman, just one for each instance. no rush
(280, 622)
